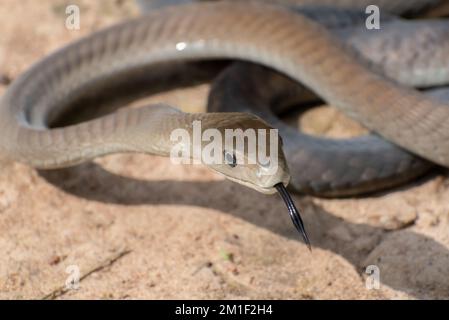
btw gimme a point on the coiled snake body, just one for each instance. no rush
(265, 34)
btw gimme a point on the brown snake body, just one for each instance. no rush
(329, 167)
(268, 35)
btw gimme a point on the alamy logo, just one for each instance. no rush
(373, 20)
(239, 146)
(72, 21)
(73, 280)
(373, 279)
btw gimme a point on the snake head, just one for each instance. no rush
(252, 156)
(251, 151)
(245, 149)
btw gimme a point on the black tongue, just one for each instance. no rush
(294, 213)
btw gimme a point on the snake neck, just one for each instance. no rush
(188, 137)
(166, 131)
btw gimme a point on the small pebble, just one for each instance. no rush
(4, 79)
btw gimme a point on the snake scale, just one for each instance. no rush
(272, 36)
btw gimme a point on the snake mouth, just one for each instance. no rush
(258, 188)
(294, 213)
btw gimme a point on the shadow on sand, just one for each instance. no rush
(92, 182)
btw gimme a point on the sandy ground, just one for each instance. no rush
(136, 226)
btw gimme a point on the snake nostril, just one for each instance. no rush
(230, 159)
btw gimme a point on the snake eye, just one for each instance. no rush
(230, 159)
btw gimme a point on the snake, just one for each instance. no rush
(346, 167)
(262, 33)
